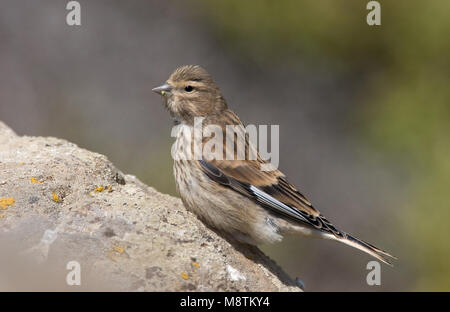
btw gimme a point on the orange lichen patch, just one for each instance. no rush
(196, 265)
(2, 215)
(22, 163)
(99, 189)
(34, 180)
(6, 202)
(185, 276)
(55, 197)
(118, 249)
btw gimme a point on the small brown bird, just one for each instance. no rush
(236, 196)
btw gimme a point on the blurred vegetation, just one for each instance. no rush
(404, 107)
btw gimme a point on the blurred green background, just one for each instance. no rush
(364, 111)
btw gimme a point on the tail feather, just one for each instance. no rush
(381, 255)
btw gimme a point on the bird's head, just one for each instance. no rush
(191, 92)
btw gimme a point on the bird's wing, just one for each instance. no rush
(271, 190)
(282, 198)
(246, 176)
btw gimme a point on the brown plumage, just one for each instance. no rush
(236, 196)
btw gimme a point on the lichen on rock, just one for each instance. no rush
(61, 203)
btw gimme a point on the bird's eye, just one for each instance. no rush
(188, 88)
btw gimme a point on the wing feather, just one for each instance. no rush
(268, 200)
(271, 190)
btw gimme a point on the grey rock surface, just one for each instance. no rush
(60, 203)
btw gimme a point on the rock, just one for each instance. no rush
(64, 208)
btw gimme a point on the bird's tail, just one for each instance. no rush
(381, 255)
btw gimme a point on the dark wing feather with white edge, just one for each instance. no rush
(282, 198)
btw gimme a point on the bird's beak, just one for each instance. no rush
(163, 89)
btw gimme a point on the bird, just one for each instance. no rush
(241, 197)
